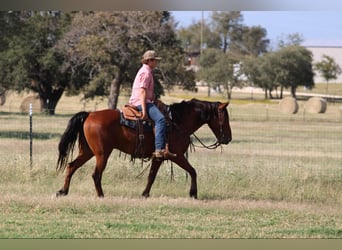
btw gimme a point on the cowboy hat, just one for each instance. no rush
(150, 54)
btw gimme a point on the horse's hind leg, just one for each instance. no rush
(82, 158)
(151, 177)
(101, 162)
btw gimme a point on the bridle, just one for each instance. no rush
(217, 143)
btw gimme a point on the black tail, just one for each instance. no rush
(68, 140)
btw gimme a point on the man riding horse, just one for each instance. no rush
(143, 98)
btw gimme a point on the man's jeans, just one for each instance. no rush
(160, 124)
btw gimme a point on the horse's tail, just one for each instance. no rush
(68, 140)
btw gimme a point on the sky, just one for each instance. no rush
(316, 27)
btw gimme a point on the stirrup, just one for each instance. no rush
(163, 154)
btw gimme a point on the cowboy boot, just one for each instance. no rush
(164, 154)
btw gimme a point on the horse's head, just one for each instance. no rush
(190, 115)
(218, 121)
(215, 114)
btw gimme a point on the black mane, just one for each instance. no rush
(205, 110)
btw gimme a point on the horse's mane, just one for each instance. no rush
(205, 110)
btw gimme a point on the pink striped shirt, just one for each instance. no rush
(143, 79)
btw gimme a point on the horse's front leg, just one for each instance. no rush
(183, 163)
(151, 177)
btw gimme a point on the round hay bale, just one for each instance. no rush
(36, 105)
(316, 105)
(289, 105)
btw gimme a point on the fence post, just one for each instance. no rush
(30, 112)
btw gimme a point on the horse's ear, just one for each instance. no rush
(223, 105)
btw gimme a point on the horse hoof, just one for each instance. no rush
(193, 195)
(146, 195)
(61, 193)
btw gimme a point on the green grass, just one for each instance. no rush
(117, 217)
(280, 177)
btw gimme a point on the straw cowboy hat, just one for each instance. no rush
(150, 54)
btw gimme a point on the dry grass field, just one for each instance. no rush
(281, 177)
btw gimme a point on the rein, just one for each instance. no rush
(215, 144)
(211, 146)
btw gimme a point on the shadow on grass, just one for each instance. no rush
(25, 135)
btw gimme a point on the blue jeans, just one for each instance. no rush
(160, 124)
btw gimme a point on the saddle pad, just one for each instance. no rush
(147, 125)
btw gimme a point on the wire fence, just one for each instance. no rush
(260, 134)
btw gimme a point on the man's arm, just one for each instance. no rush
(142, 95)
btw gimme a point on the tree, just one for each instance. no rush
(235, 41)
(296, 67)
(250, 44)
(328, 68)
(109, 46)
(289, 67)
(190, 37)
(225, 23)
(291, 39)
(261, 72)
(51, 52)
(9, 26)
(30, 61)
(250, 41)
(218, 69)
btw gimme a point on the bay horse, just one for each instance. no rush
(100, 132)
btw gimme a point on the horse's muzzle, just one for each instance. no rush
(225, 140)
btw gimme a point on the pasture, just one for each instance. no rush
(280, 177)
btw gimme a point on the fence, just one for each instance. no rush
(260, 133)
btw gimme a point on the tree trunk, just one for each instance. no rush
(48, 106)
(114, 94)
(229, 95)
(49, 101)
(48, 95)
(270, 93)
(281, 91)
(114, 91)
(2, 98)
(293, 91)
(229, 92)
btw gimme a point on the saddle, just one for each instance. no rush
(131, 112)
(132, 117)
